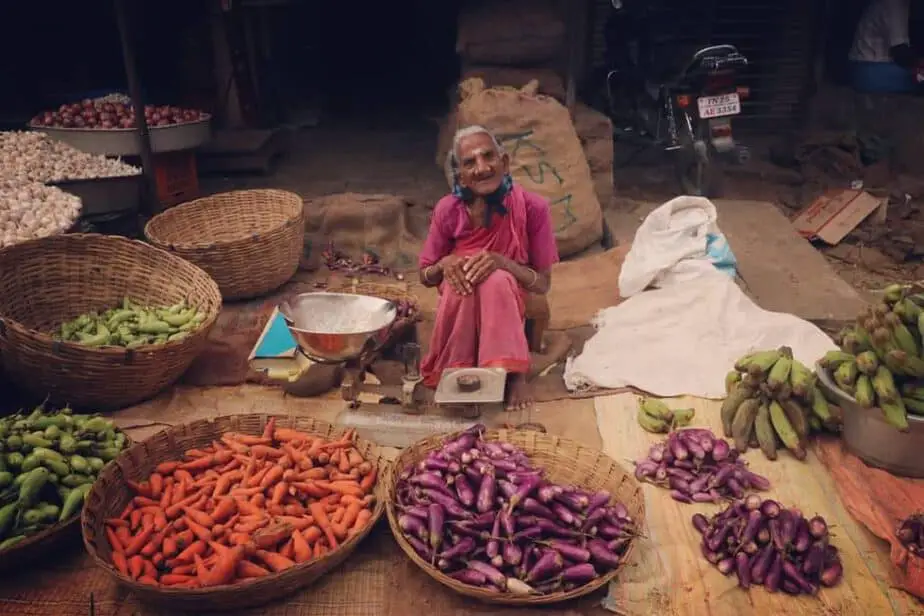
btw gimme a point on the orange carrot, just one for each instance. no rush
(293, 509)
(248, 439)
(269, 429)
(199, 530)
(300, 547)
(118, 559)
(157, 485)
(114, 541)
(116, 522)
(288, 434)
(200, 463)
(160, 520)
(176, 509)
(349, 516)
(134, 520)
(246, 507)
(186, 556)
(257, 478)
(139, 488)
(362, 518)
(368, 481)
(318, 547)
(189, 569)
(320, 517)
(343, 464)
(126, 511)
(138, 541)
(148, 580)
(250, 527)
(169, 548)
(312, 534)
(288, 550)
(223, 485)
(355, 458)
(225, 567)
(199, 517)
(183, 475)
(272, 476)
(248, 569)
(166, 468)
(225, 508)
(135, 566)
(312, 489)
(154, 544)
(275, 562)
(346, 488)
(314, 473)
(149, 569)
(279, 490)
(172, 579)
(266, 451)
(239, 538)
(337, 516)
(167, 497)
(197, 453)
(124, 535)
(201, 568)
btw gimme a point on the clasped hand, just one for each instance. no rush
(465, 273)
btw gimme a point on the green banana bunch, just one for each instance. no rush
(656, 417)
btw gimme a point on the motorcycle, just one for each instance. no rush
(688, 112)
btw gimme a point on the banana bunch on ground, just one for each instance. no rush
(773, 402)
(656, 417)
(881, 364)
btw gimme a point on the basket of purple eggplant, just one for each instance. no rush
(513, 516)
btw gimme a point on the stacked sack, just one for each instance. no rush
(512, 42)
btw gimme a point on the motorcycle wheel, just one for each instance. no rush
(699, 176)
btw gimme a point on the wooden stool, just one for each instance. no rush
(538, 316)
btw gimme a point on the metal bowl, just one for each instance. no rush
(337, 327)
(870, 438)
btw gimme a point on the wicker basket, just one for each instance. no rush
(50, 541)
(249, 241)
(110, 495)
(46, 282)
(566, 462)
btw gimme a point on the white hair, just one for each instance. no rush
(452, 158)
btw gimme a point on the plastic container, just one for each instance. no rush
(176, 177)
(881, 78)
(870, 438)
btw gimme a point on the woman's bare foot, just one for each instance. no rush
(520, 393)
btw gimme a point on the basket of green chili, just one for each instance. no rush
(50, 461)
(100, 322)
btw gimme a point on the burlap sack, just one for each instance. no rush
(357, 224)
(595, 130)
(510, 32)
(550, 82)
(545, 155)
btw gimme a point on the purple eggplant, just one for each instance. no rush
(597, 500)
(814, 559)
(609, 531)
(548, 565)
(418, 511)
(437, 520)
(710, 555)
(818, 528)
(775, 574)
(751, 527)
(571, 552)
(470, 577)
(757, 482)
(534, 507)
(803, 540)
(598, 515)
(645, 469)
(680, 497)
(726, 565)
(715, 541)
(513, 555)
(832, 574)
(579, 574)
(493, 547)
(680, 485)
(735, 488)
(422, 549)
(473, 476)
(490, 573)
(547, 493)
(700, 523)
(464, 491)
(776, 534)
(523, 490)
(413, 526)
(432, 463)
(456, 447)
(743, 569)
(792, 573)
(677, 447)
(506, 488)
(551, 528)
(679, 473)
(601, 555)
(506, 522)
(770, 508)
(761, 565)
(529, 533)
(465, 546)
(483, 520)
(720, 450)
(565, 515)
(432, 481)
(448, 503)
(790, 587)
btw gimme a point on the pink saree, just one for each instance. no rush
(486, 328)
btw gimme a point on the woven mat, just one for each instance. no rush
(875, 498)
(364, 586)
(673, 578)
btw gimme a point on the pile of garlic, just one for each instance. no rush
(29, 210)
(31, 156)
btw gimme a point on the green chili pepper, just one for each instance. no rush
(6, 479)
(97, 424)
(96, 464)
(73, 501)
(14, 459)
(30, 463)
(7, 513)
(7, 544)
(67, 444)
(33, 483)
(14, 442)
(36, 440)
(72, 481)
(61, 469)
(79, 464)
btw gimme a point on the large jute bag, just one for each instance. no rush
(545, 155)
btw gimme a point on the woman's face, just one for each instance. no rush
(481, 166)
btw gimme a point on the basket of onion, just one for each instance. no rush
(513, 517)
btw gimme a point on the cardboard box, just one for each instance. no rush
(835, 214)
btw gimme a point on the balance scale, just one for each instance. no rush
(351, 355)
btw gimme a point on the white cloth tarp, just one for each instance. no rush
(685, 321)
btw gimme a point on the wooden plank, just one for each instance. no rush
(670, 576)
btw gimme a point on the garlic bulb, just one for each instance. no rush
(29, 210)
(30, 156)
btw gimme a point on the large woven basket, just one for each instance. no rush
(46, 282)
(566, 462)
(50, 541)
(110, 495)
(249, 241)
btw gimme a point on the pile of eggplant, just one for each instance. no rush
(764, 543)
(481, 513)
(698, 467)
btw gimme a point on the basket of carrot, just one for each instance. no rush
(234, 511)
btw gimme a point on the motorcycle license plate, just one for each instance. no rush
(719, 106)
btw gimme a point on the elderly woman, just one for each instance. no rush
(489, 243)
